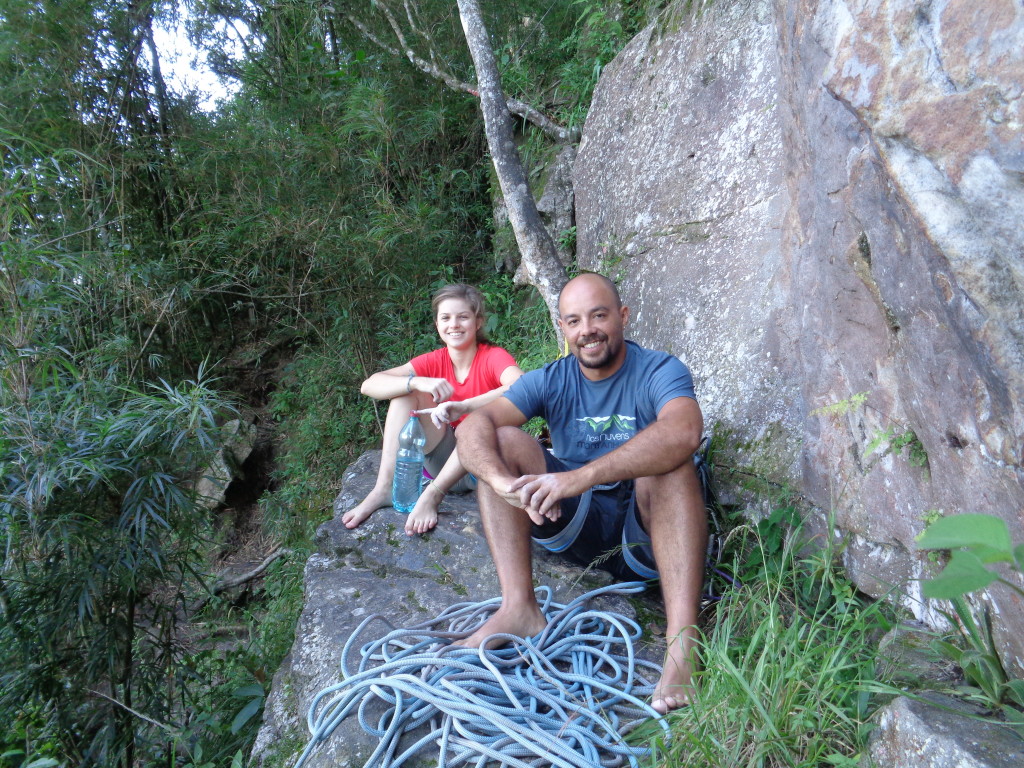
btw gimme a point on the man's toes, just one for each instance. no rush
(665, 704)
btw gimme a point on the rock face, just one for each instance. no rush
(211, 487)
(932, 729)
(817, 205)
(930, 733)
(377, 569)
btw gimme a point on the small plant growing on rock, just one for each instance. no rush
(976, 542)
(894, 437)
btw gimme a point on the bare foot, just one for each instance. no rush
(365, 508)
(508, 621)
(424, 515)
(669, 697)
(675, 688)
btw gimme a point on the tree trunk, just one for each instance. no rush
(540, 257)
(128, 665)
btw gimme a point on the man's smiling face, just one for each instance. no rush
(593, 322)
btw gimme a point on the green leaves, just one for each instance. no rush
(978, 541)
(99, 535)
(787, 664)
(38, 762)
(964, 573)
(254, 693)
(967, 530)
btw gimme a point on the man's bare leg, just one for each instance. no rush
(672, 509)
(508, 530)
(398, 414)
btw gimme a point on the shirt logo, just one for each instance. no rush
(602, 433)
(617, 421)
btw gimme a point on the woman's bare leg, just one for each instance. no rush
(424, 515)
(398, 414)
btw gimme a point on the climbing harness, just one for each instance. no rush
(714, 576)
(564, 698)
(635, 543)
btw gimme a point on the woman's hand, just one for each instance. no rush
(438, 389)
(447, 412)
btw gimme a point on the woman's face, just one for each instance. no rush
(457, 323)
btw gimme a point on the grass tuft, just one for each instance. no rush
(786, 663)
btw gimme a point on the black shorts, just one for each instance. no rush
(600, 527)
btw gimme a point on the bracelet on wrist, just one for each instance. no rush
(408, 382)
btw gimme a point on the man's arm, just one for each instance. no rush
(478, 443)
(661, 447)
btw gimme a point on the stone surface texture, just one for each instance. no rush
(813, 199)
(377, 569)
(931, 732)
(239, 439)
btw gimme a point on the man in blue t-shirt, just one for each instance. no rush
(620, 478)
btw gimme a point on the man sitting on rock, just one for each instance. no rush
(621, 484)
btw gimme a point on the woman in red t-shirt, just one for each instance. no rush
(450, 383)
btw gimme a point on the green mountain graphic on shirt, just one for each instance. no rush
(601, 424)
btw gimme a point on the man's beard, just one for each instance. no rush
(610, 351)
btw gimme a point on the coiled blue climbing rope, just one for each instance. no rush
(564, 698)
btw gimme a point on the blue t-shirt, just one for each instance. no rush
(590, 418)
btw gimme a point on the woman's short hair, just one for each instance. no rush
(471, 296)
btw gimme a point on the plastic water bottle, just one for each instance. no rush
(408, 466)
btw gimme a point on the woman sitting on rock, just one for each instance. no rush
(450, 382)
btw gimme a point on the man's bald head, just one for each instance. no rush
(592, 279)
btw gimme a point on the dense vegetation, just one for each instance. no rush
(163, 267)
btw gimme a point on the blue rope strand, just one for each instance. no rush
(565, 698)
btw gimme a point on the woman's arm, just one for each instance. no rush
(395, 382)
(445, 413)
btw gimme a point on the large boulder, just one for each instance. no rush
(377, 569)
(817, 206)
(239, 439)
(937, 731)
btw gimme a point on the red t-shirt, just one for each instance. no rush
(484, 372)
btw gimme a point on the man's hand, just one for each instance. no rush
(539, 494)
(446, 412)
(438, 389)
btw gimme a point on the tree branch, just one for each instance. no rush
(223, 584)
(132, 711)
(532, 115)
(370, 36)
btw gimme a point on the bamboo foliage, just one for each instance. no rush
(303, 223)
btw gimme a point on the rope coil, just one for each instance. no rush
(564, 698)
